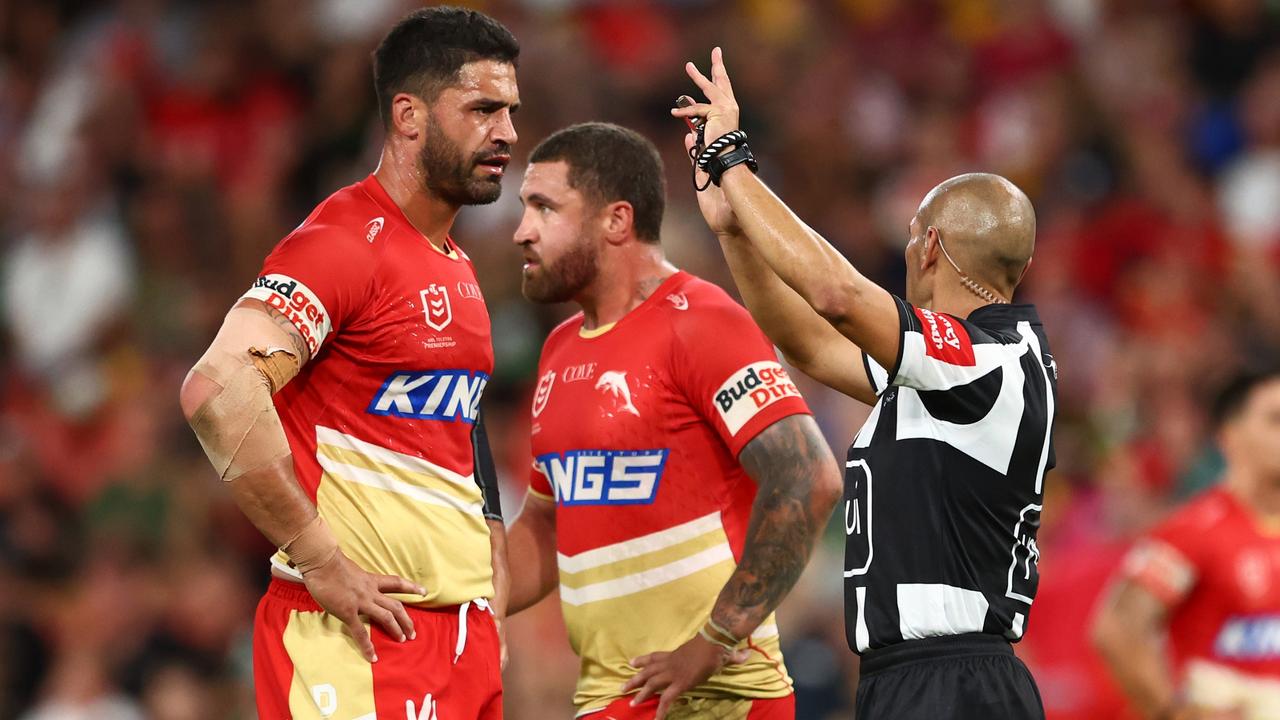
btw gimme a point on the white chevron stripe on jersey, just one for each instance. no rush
(386, 456)
(638, 546)
(647, 579)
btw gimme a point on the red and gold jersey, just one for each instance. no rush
(1217, 569)
(636, 433)
(380, 419)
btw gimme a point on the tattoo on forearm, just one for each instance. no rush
(785, 460)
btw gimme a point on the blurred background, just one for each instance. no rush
(152, 152)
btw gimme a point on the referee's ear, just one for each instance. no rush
(929, 249)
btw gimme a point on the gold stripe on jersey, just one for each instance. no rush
(331, 678)
(402, 515)
(652, 593)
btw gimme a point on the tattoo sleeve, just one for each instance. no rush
(798, 486)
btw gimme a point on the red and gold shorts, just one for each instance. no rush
(783, 708)
(305, 664)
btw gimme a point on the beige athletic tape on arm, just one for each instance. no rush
(238, 427)
(313, 546)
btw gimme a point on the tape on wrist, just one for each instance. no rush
(714, 641)
(313, 547)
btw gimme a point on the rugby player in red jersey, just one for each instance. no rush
(679, 481)
(340, 400)
(1208, 580)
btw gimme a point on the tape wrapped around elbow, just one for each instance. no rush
(313, 547)
(238, 426)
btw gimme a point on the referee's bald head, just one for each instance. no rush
(986, 224)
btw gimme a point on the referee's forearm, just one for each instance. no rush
(780, 312)
(799, 256)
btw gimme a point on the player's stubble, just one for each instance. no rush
(561, 279)
(450, 175)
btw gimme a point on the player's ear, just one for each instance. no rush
(619, 222)
(408, 115)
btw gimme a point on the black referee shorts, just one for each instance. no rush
(959, 677)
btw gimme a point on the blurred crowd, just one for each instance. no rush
(153, 151)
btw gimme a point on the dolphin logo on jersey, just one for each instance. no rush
(614, 385)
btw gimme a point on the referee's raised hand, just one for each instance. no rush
(721, 109)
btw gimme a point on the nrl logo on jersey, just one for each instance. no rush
(431, 395)
(543, 393)
(604, 477)
(436, 307)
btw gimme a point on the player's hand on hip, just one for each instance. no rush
(721, 109)
(349, 593)
(668, 675)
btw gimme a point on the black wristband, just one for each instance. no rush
(721, 163)
(719, 145)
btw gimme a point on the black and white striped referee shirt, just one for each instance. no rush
(944, 483)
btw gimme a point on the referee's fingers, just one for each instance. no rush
(718, 71)
(707, 87)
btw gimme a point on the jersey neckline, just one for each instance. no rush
(373, 188)
(659, 293)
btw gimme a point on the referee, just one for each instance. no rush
(944, 483)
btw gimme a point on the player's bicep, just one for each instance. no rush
(789, 452)
(253, 335)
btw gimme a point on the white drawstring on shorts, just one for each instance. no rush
(481, 603)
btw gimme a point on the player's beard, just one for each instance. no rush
(450, 176)
(563, 279)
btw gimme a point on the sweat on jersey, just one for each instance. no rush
(380, 419)
(636, 434)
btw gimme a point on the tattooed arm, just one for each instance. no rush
(799, 483)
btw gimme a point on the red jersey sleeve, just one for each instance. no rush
(730, 373)
(539, 484)
(1166, 562)
(318, 277)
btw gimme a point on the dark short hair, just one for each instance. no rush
(1236, 393)
(608, 163)
(424, 52)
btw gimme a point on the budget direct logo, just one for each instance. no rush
(604, 477)
(291, 298)
(750, 390)
(431, 395)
